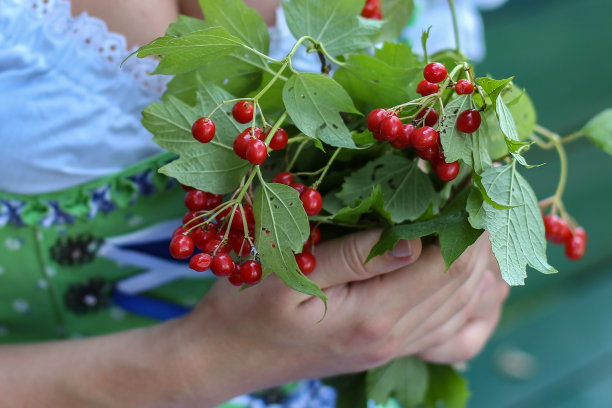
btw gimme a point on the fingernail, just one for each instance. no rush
(402, 249)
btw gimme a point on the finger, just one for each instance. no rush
(467, 343)
(342, 260)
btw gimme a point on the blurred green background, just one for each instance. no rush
(553, 347)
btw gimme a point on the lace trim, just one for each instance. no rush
(88, 200)
(91, 33)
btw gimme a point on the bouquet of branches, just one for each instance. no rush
(272, 159)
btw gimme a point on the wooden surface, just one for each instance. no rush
(554, 345)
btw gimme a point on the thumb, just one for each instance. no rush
(342, 260)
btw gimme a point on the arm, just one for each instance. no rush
(268, 335)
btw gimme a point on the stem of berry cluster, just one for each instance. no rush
(331, 160)
(554, 140)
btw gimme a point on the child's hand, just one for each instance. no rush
(393, 306)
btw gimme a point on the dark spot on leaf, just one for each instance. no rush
(291, 204)
(456, 111)
(275, 207)
(291, 89)
(303, 96)
(376, 81)
(314, 93)
(267, 232)
(378, 167)
(272, 198)
(323, 126)
(391, 184)
(273, 244)
(334, 126)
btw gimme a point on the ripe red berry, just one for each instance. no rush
(580, 232)
(434, 72)
(447, 171)
(200, 262)
(306, 262)
(557, 230)
(203, 130)
(313, 239)
(180, 230)
(257, 152)
(374, 119)
(425, 137)
(279, 140)
(195, 200)
(283, 177)
(299, 187)
(404, 138)
(236, 277)
(213, 200)
(181, 246)
(390, 128)
(222, 265)
(430, 153)
(371, 10)
(239, 244)
(312, 201)
(188, 217)
(468, 121)
(427, 88)
(575, 248)
(430, 114)
(243, 111)
(250, 271)
(464, 87)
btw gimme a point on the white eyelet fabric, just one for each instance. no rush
(69, 110)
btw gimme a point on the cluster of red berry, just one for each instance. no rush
(559, 232)
(372, 10)
(249, 144)
(420, 134)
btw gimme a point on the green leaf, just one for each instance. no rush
(404, 378)
(517, 233)
(480, 151)
(456, 233)
(335, 24)
(314, 103)
(457, 145)
(190, 51)
(493, 87)
(210, 166)
(475, 210)
(599, 130)
(373, 203)
(271, 102)
(396, 14)
(350, 389)
(407, 191)
(372, 82)
(446, 386)
(281, 228)
(398, 55)
(185, 25)
(508, 128)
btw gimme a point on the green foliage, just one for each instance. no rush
(373, 203)
(396, 14)
(281, 228)
(372, 81)
(599, 130)
(517, 233)
(457, 145)
(314, 103)
(212, 166)
(336, 25)
(399, 179)
(404, 378)
(446, 386)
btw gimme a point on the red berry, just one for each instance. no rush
(257, 152)
(244, 139)
(239, 244)
(236, 277)
(179, 231)
(556, 229)
(186, 188)
(279, 140)
(425, 137)
(430, 153)
(195, 200)
(468, 121)
(434, 72)
(430, 114)
(464, 87)
(181, 246)
(427, 88)
(188, 217)
(447, 171)
(243, 111)
(299, 187)
(374, 119)
(250, 271)
(283, 177)
(200, 262)
(312, 201)
(575, 248)
(580, 232)
(390, 128)
(203, 130)
(306, 262)
(222, 265)
(404, 138)
(313, 239)
(216, 245)
(370, 9)
(238, 221)
(213, 200)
